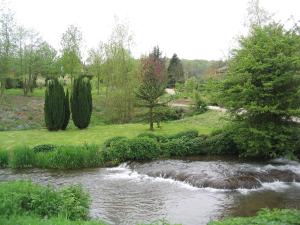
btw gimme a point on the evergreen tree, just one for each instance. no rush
(81, 102)
(262, 91)
(175, 72)
(152, 84)
(67, 111)
(54, 105)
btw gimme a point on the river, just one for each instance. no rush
(190, 191)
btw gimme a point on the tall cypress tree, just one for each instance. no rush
(175, 72)
(67, 111)
(54, 109)
(81, 102)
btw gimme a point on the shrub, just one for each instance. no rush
(22, 157)
(157, 137)
(188, 134)
(165, 113)
(265, 216)
(44, 148)
(200, 105)
(118, 152)
(67, 111)
(143, 149)
(221, 142)
(24, 197)
(35, 220)
(109, 141)
(4, 157)
(54, 105)
(183, 146)
(81, 102)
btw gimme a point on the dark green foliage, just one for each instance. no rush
(183, 146)
(143, 149)
(34, 220)
(81, 102)
(188, 134)
(118, 152)
(67, 111)
(157, 137)
(267, 139)
(22, 157)
(109, 141)
(4, 158)
(263, 80)
(54, 109)
(175, 72)
(221, 142)
(165, 113)
(265, 216)
(44, 148)
(23, 197)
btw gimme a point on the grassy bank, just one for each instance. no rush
(265, 217)
(204, 123)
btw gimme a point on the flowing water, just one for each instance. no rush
(190, 191)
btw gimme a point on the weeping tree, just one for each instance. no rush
(67, 111)
(81, 102)
(54, 108)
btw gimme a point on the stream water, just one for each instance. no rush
(190, 191)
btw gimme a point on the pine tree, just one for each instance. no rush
(175, 72)
(54, 105)
(67, 111)
(152, 84)
(81, 102)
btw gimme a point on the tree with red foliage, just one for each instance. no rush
(153, 82)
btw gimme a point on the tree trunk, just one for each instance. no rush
(151, 118)
(2, 88)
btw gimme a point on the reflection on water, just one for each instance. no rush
(182, 191)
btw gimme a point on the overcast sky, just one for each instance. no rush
(194, 29)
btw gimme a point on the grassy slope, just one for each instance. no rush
(204, 123)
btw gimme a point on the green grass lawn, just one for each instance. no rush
(204, 123)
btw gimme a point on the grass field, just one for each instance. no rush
(204, 123)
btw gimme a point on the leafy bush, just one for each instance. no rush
(44, 148)
(23, 197)
(34, 220)
(109, 141)
(118, 152)
(157, 137)
(4, 158)
(22, 157)
(265, 216)
(221, 142)
(143, 148)
(183, 146)
(188, 134)
(165, 113)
